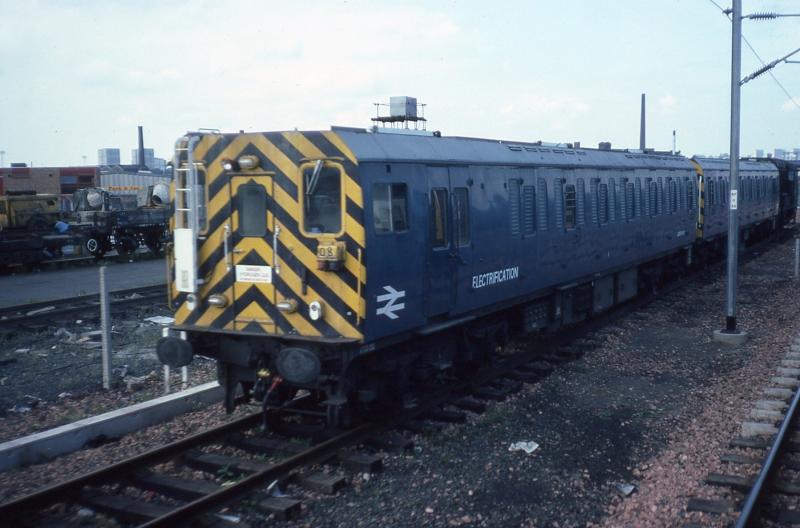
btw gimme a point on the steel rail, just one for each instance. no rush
(59, 492)
(322, 451)
(21, 312)
(67, 490)
(750, 511)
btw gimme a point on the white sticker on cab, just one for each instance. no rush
(261, 274)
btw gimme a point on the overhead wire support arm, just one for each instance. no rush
(768, 67)
(769, 16)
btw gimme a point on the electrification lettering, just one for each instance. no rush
(494, 277)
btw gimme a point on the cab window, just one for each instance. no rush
(252, 207)
(439, 218)
(322, 198)
(389, 207)
(461, 216)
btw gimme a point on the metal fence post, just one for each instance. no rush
(166, 379)
(105, 325)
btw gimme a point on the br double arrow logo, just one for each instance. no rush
(390, 298)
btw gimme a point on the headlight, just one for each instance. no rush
(248, 162)
(315, 310)
(228, 164)
(218, 300)
(191, 301)
(287, 306)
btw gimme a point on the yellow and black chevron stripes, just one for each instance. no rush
(701, 206)
(253, 305)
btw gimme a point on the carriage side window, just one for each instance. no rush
(723, 199)
(570, 205)
(603, 204)
(660, 197)
(710, 194)
(637, 198)
(514, 207)
(322, 198)
(542, 204)
(461, 212)
(630, 199)
(528, 209)
(673, 196)
(251, 204)
(613, 201)
(389, 207)
(653, 198)
(439, 218)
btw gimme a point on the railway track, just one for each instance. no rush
(228, 449)
(773, 494)
(183, 500)
(53, 311)
(237, 461)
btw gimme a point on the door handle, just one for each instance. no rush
(275, 264)
(226, 233)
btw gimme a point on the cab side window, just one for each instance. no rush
(390, 207)
(461, 216)
(439, 235)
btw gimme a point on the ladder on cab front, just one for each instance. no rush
(187, 224)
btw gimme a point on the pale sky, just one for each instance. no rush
(80, 75)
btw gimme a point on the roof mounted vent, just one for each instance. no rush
(402, 111)
(604, 145)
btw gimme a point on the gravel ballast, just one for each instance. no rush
(651, 404)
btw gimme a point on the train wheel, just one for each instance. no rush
(154, 244)
(94, 247)
(339, 416)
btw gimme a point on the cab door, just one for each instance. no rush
(247, 248)
(442, 252)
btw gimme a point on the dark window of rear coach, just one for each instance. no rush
(389, 207)
(251, 203)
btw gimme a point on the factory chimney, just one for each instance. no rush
(641, 128)
(141, 150)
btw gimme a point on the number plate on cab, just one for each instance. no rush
(261, 274)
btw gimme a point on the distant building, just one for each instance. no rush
(49, 180)
(149, 157)
(159, 164)
(759, 153)
(780, 153)
(108, 156)
(796, 153)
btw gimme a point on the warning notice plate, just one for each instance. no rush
(254, 274)
(734, 199)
